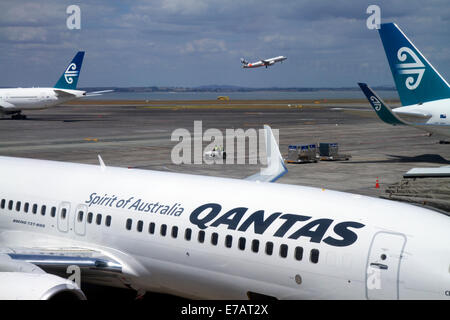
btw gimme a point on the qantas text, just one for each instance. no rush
(207, 215)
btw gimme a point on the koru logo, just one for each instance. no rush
(413, 68)
(376, 103)
(70, 73)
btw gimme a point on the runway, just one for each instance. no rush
(138, 135)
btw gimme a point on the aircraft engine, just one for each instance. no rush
(37, 286)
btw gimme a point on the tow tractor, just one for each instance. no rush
(216, 153)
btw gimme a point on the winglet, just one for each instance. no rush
(102, 164)
(383, 111)
(275, 164)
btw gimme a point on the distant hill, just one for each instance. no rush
(227, 88)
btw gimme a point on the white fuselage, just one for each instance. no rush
(262, 63)
(438, 123)
(353, 247)
(16, 99)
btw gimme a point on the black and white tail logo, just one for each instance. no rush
(412, 68)
(376, 103)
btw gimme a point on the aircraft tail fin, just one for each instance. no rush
(383, 111)
(243, 61)
(415, 78)
(275, 164)
(69, 78)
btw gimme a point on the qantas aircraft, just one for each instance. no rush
(14, 100)
(424, 93)
(213, 238)
(262, 63)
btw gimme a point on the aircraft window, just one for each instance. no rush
(228, 241)
(174, 232)
(52, 211)
(314, 257)
(188, 234)
(43, 209)
(18, 206)
(163, 230)
(108, 221)
(10, 204)
(201, 236)
(98, 219)
(151, 228)
(26, 206)
(241, 243)
(269, 248)
(63, 212)
(298, 253)
(2, 204)
(255, 245)
(140, 226)
(35, 209)
(214, 238)
(80, 216)
(129, 223)
(283, 250)
(90, 217)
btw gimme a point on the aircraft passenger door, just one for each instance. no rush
(80, 220)
(383, 265)
(63, 216)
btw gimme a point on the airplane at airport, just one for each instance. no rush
(207, 237)
(14, 100)
(424, 93)
(262, 63)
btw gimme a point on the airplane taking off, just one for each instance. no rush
(424, 93)
(14, 100)
(262, 63)
(212, 238)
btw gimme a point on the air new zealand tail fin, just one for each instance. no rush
(69, 78)
(383, 111)
(415, 78)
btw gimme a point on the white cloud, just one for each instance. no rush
(204, 46)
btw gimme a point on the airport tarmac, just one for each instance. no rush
(138, 135)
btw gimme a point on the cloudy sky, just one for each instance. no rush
(200, 42)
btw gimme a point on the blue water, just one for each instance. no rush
(262, 95)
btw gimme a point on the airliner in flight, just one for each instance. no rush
(262, 63)
(14, 100)
(424, 93)
(213, 238)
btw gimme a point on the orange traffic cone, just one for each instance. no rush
(377, 185)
